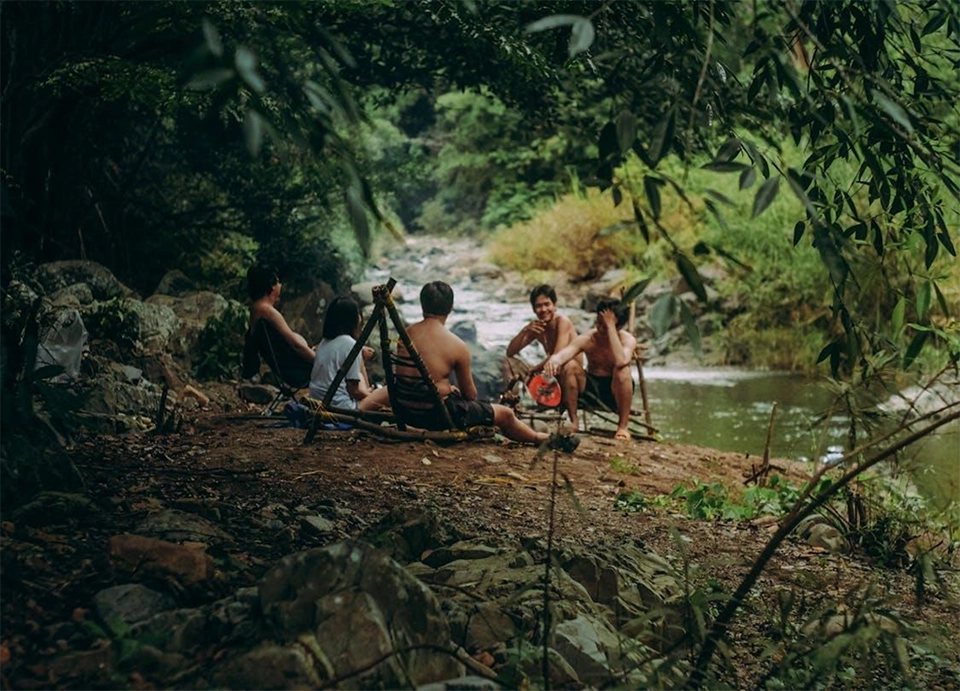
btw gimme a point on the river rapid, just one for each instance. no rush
(718, 407)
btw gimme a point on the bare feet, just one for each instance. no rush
(622, 434)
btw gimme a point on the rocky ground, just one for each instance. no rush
(220, 551)
(193, 524)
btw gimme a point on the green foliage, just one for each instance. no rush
(233, 254)
(221, 344)
(712, 501)
(114, 320)
(619, 464)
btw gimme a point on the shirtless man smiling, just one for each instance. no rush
(552, 330)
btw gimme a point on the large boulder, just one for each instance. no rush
(103, 284)
(397, 632)
(195, 312)
(138, 328)
(175, 283)
(304, 313)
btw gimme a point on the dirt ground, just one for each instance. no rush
(232, 466)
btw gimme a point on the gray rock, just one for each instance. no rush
(317, 525)
(132, 373)
(488, 627)
(179, 526)
(103, 284)
(827, 537)
(176, 630)
(585, 643)
(56, 508)
(313, 597)
(75, 295)
(465, 331)
(270, 666)
(260, 394)
(130, 603)
(460, 550)
(562, 674)
(193, 312)
(175, 283)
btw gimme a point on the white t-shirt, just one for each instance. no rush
(330, 356)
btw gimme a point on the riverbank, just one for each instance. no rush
(193, 524)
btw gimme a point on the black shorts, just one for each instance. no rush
(598, 393)
(469, 413)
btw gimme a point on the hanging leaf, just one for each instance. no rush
(662, 137)
(209, 79)
(212, 38)
(691, 276)
(726, 167)
(747, 178)
(947, 243)
(794, 180)
(246, 64)
(913, 350)
(661, 314)
(581, 36)
(357, 211)
(691, 329)
(756, 157)
(897, 317)
(877, 239)
(720, 197)
(608, 144)
(832, 351)
(641, 222)
(728, 150)
(652, 189)
(933, 248)
(798, 232)
(626, 130)
(941, 300)
(894, 110)
(253, 131)
(935, 23)
(765, 195)
(712, 208)
(923, 300)
(634, 291)
(552, 22)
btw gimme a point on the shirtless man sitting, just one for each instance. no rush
(609, 350)
(552, 330)
(444, 353)
(264, 287)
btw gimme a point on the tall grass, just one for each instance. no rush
(568, 236)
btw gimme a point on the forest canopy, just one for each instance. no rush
(202, 136)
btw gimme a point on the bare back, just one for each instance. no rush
(442, 353)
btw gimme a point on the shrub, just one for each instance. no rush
(569, 237)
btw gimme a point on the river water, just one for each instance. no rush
(720, 408)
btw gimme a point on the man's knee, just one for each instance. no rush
(502, 415)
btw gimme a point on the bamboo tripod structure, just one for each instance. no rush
(384, 309)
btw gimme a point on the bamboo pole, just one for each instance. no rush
(643, 389)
